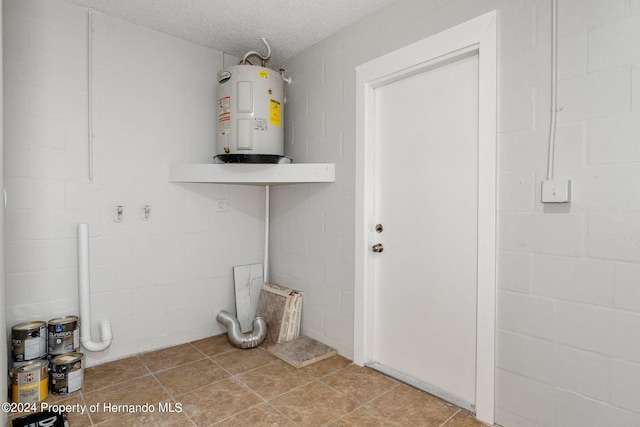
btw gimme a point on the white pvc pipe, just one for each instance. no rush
(84, 297)
(90, 90)
(266, 235)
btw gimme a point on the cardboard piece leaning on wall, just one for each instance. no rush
(281, 308)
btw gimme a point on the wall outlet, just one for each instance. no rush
(222, 205)
(556, 191)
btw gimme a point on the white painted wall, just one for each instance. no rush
(568, 352)
(569, 295)
(3, 287)
(160, 282)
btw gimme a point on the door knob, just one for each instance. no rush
(377, 248)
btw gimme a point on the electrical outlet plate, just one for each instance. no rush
(222, 205)
(556, 191)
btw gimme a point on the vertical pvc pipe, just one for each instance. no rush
(90, 90)
(266, 235)
(84, 297)
(83, 262)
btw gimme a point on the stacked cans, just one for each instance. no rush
(45, 358)
(66, 373)
(64, 335)
(29, 376)
(28, 342)
(29, 381)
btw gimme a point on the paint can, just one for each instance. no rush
(28, 341)
(66, 374)
(30, 382)
(64, 335)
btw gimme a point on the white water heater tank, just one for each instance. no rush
(250, 122)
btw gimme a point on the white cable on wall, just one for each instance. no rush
(554, 190)
(554, 89)
(90, 90)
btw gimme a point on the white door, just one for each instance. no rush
(426, 200)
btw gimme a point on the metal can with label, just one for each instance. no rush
(67, 373)
(64, 335)
(28, 341)
(30, 382)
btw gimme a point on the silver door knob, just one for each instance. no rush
(377, 248)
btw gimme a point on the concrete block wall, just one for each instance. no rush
(568, 303)
(569, 295)
(160, 282)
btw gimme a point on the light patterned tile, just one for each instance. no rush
(149, 419)
(314, 404)
(214, 345)
(359, 383)
(365, 417)
(326, 366)
(186, 378)
(413, 407)
(274, 379)
(464, 419)
(170, 357)
(108, 374)
(217, 402)
(237, 362)
(115, 400)
(328, 392)
(262, 415)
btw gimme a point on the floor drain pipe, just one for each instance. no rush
(84, 298)
(239, 339)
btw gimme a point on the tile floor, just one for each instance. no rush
(210, 383)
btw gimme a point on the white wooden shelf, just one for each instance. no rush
(254, 174)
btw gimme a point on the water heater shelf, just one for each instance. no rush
(253, 174)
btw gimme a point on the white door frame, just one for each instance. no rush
(479, 35)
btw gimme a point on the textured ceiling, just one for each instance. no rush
(236, 26)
